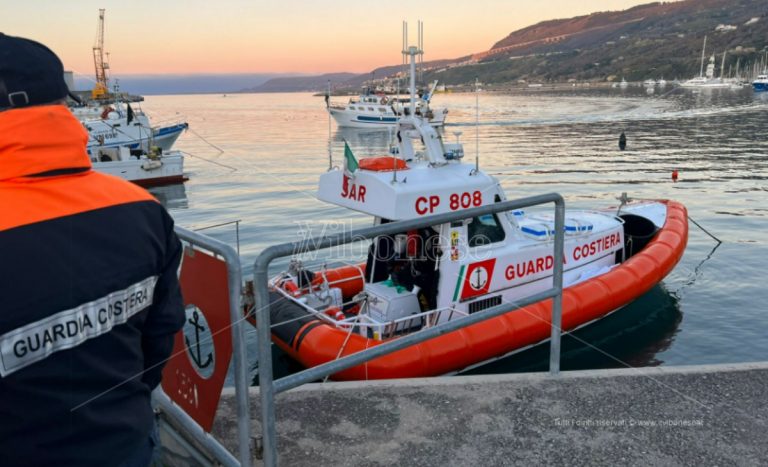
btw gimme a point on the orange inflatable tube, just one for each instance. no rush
(582, 303)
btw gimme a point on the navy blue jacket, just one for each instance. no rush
(90, 298)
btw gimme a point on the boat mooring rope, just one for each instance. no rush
(233, 169)
(221, 151)
(344, 344)
(705, 230)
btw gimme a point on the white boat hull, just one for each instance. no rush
(163, 138)
(346, 118)
(169, 168)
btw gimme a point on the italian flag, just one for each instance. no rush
(350, 163)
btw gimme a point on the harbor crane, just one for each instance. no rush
(101, 89)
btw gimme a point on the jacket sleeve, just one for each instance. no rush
(167, 315)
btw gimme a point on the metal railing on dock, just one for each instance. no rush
(169, 404)
(269, 387)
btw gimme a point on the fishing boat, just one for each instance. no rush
(379, 110)
(421, 278)
(121, 125)
(144, 168)
(761, 83)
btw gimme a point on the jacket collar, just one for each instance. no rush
(41, 139)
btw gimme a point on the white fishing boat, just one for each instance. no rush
(421, 278)
(624, 84)
(120, 125)
(649, 83)
(138, 166)
(374, 109)
(378, 110)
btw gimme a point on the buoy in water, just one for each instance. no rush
(622, 141)
(674, 175)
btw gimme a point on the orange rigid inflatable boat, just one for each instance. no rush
(316, 341)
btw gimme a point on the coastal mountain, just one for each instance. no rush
(647, 41)
(302, 83)
(319, 83)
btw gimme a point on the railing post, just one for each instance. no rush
(266, 388)
(240, 370)
(239, 360)
(557, 284)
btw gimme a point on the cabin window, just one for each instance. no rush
(382, 109)
(484, 230)
(370, 109)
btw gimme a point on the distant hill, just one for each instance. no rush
(302, 83)
(339, 81)
(653, 40)
(647, 41)
(182, 83)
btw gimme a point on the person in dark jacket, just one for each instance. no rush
(88, 279)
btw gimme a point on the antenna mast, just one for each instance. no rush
(328, 105)
(477, 125)
(101, 89)
(412, 52)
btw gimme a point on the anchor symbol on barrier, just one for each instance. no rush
(481, 278)
(195, 321)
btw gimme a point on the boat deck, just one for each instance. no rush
(697, 415)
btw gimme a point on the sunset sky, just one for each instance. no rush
(269, 36)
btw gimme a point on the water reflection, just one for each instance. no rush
(633, 336)
(363, 141)
(171, 196)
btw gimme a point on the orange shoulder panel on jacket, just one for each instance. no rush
(30, 200)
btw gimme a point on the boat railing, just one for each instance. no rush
(176, 120)
(366, 325)
(269, 387)
(338, 105)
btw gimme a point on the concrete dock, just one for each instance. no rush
(698, 415)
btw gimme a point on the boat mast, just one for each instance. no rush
(722, 66)
(703, 48)
(421, 52)
(405, 58)
(412, 51)
(328, 104)
(477, 125)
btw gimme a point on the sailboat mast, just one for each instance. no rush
(703, 48)
(413, 52)
(722, 66)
